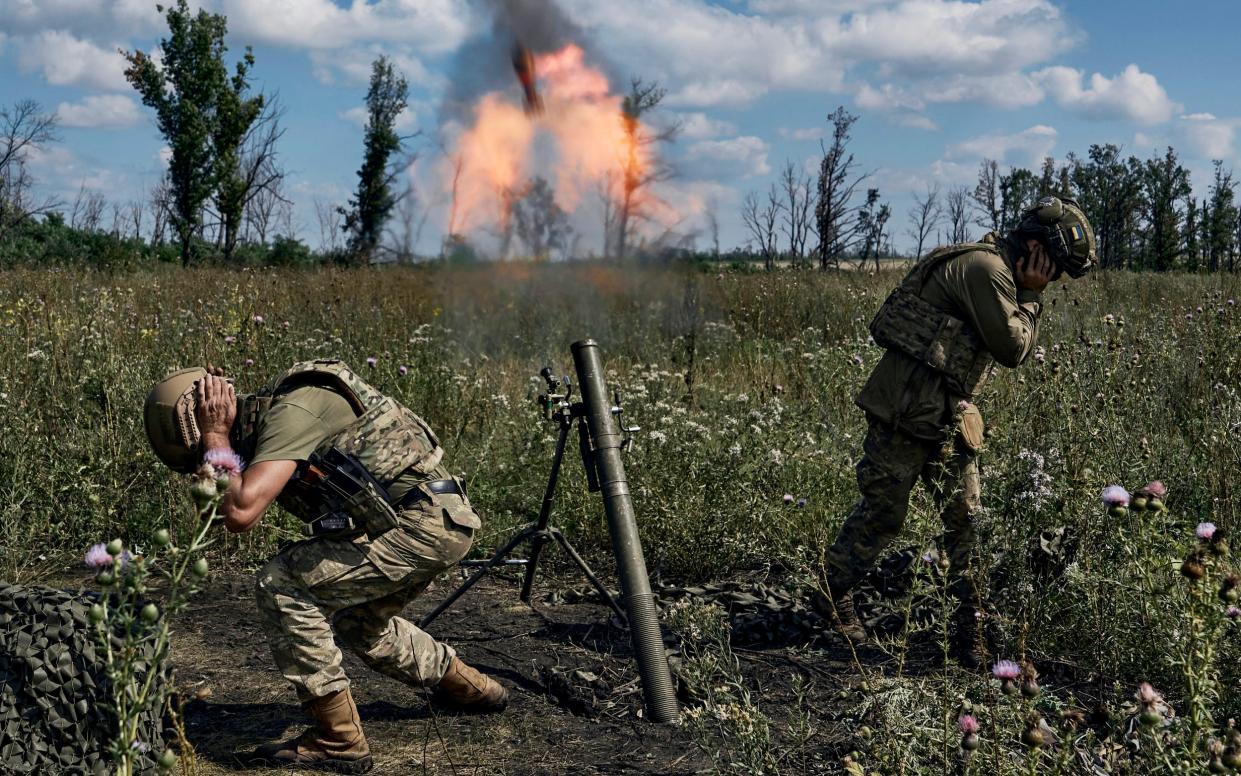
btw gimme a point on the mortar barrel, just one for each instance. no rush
(648, 643)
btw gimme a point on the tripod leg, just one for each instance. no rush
(517, 539)
(532, 565)
(590, 574)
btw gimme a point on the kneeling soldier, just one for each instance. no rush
(961, 308)
(384, 518)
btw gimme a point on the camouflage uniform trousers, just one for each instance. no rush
(358, 587)
(892, 462)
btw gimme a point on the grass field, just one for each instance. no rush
(743, 386)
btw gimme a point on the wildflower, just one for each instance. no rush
(259, 320)
(788, 498)
(1029, 680)
(371, 361)
(249, 362)
(98, 557)
(857, 359)
(1033, 735)
(968, 723)
(223, 460)
(930, 556)
(1233, 613)
(140, 746)
(1109, 319)
(230, 339)
(1205, 531)
(1040, 355)
(402, 370)
(1191, 567)
(1114, 495)
(801, 502)
(1006, 671)
(1228, 592)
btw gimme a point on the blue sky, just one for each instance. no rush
(938, 84)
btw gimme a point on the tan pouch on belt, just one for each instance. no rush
(970, 428)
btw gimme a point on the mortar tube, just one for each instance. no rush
(648, 643)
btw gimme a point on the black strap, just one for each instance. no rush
(438, 487)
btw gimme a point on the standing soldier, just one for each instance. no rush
(384, 518)
(961, 308)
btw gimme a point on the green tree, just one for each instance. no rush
(1110, 192)
(234, 115)
(372, 204)
(1219, 218)
(1018, 191)
(184, 90)
(541, 224)
(1165, 183)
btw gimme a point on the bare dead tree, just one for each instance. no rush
(541, 224)
(924, 216)
(402, 241)
(836, 219)
(87, 212)
(641, 167)
(161, 202)
(260, 176)
(987, 200)
(958, 201)
(136, 212)
(24, 127)
(760, 219)
(119, 218)
(330, 219)
(713, 226)
(798, 210)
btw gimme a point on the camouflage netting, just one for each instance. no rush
(53, 691)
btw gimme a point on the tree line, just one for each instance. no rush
(1144, 212)
(223, 193)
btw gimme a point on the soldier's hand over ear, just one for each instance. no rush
(216, 405)
(1035, 271)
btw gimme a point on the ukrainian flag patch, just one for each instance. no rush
(1077, 232)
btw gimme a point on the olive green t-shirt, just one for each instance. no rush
(299, 421)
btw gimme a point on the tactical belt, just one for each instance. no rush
(339, 523)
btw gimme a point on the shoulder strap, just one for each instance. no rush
(921, 271)
(327, 373)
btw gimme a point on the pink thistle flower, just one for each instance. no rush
(1006, 670)
(1155, 489)
(403, 370)
(371, 361)
(249, 362)
(1233, 612)
(230, 339)
(97, 557)
(787, 498)
(968, 724)
(259, 320)
(1205, 531)
(224, 460)
(963, 405)
(1115, 496)
(1147, 695)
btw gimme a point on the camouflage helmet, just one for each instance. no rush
(1062, 227)
(171, 426)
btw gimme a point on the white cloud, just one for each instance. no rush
(927, 37)
(101, 111)
(1027, 147)
(66, 60)
(405, 120)
(700, 126)
(802, 133)
(85, 18)
(743, 156)
(434, 26)
(1210, 137)
(352, 65)
(1131, 95)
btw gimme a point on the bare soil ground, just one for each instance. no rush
(575, 696)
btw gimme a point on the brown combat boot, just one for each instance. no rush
(334, 743)
(837, 608)
(466, 689)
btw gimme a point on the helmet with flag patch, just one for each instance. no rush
(1063, 229)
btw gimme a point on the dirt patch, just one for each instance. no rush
(576, 699)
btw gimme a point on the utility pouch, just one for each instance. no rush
(355, 500)
(911, 325)
(971, 429)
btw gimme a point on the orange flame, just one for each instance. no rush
(496, 155)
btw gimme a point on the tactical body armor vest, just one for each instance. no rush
(909, 324)
(345, 482)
